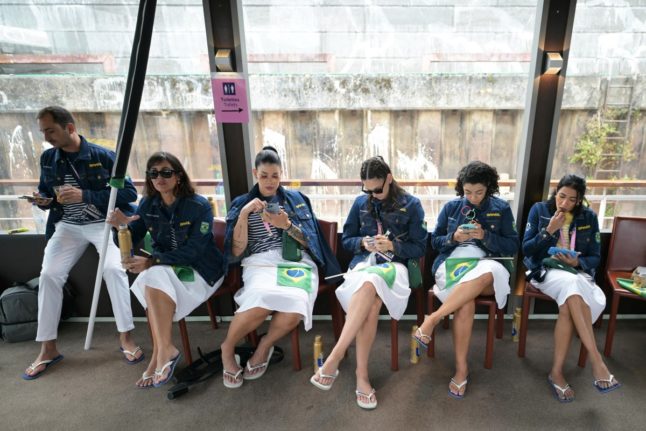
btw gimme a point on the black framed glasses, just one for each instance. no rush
(165, 173)
(378, 191)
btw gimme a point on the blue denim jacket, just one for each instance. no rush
(192, 220)
(496, 219)
(404, 220)
(299, 210)
(537, 241)
(94, 167)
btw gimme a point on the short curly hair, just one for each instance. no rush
(477, 172)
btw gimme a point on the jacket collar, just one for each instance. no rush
(84, 152)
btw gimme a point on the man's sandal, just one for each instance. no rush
(47, 363)
(136, 359)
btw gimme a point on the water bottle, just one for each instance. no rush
(515, 325)
(40, 218)
(318, 353)
(414, 347)
(125, 242)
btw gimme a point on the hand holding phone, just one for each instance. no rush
(36, 199)
(468, 226)
(272, 207)
(556, 250)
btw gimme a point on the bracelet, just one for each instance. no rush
(291, 225)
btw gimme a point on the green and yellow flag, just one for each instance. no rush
(295, 276)
(456, 267)
(385, 270)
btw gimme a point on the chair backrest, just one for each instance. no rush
(627, 248)
(219, 230)
(329, 229)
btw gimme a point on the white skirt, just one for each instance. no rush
(497, 270)
(560, 285)
(395, 298)
(187, 295)
(261, 289)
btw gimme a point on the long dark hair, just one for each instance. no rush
(184, 186)
(269, 155)
(477, 172)
(377, 168)
(574, 182)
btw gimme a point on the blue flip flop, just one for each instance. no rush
(610, 388)
(47, 363)
(459, 386)
(160, 372)
(133, 354)
(556, 389)
(419, 335)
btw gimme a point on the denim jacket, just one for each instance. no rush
(94, 167)
(496, 219)
(299, 210)
(191, 219)
(537, 240)
(404, 219)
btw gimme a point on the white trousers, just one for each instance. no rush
(63, 250)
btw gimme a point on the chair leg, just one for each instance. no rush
(394, 345)
(445, 322)
(488, 363)
(337, 316)
(583, 356)
(209, 307)
(296, 351)
(612, 324)
(252, 338)
(524, 318)
(419, 304)
(500, 321)
(185, 342)
(430, 352)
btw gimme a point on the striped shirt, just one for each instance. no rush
(79, 213)
(258, 239)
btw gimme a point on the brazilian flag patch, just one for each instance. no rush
(204, 227)
(457, 267)
(295, 276)
(385, 270)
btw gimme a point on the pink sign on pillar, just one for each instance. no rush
(230, 99)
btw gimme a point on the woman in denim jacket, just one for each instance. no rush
(255, 226)
(385, 228)
(185, 267)
(476, 225)
(566, 222)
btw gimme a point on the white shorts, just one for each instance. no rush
(187, 295)
(395, 298)
(560, 285)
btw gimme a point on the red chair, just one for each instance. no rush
(627, 250)
(231, 283)
(532, 293)
(496, 319)
(394, 324)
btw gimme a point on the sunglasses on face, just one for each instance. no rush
(378, 191)
(165, 173)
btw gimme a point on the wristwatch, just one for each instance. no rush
(545, 234)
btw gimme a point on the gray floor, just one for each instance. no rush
(94, 390)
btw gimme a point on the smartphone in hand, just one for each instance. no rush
(467, 226)
(273, 208)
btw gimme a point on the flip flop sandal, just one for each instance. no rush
(144, 378)
(47, 363)
(320, 385)
(609, 380)
(459, 386)
(133, 354)
(419, 337)
(372, 399)
(556, 389)
(262, 367)
(236, 377)
(160, 372)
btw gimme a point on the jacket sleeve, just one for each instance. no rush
(351, 238)
(533, 242)
(506, 242)
(101, 197)
(45, 189)
(589, 261)
(199, 236)
(442, 240)
(415, 245)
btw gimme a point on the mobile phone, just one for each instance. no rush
(272, 207)
(467, 226)
(556, 250)
(28, 197)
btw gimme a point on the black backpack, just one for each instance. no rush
(19, 310)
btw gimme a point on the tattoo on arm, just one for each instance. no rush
(296, 233)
